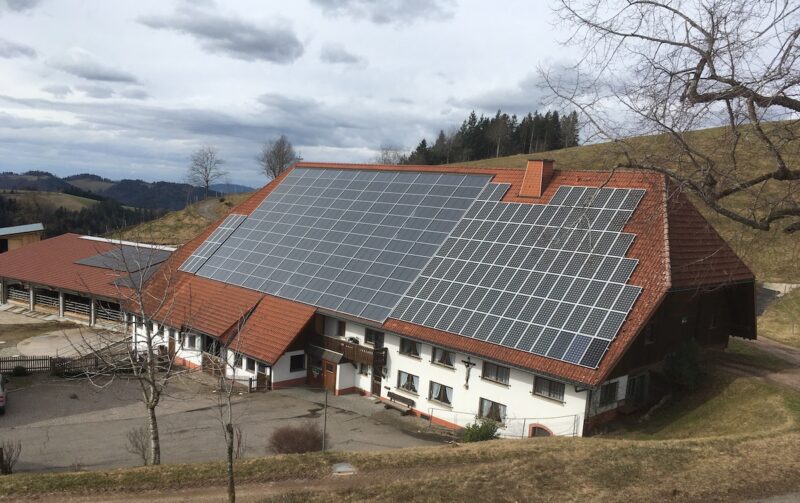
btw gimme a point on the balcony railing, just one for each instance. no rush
(353, 352)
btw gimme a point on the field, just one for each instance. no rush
(773, 255)
(54, 199)
(178, 227)
(91, 184)
(781, 320)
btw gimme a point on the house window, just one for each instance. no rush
(608, 393)
(441, 393)
(237, 360)
(409, 347)
(492, 410)
(340, 328)
(407, 382)
(538, 431)
(548, 388)
(370, 336)
(262, 368)
(443, 357)
(363, 369)
(495, 373)
(297, 363)
(192, 342)
(251, 365)
(172, 334)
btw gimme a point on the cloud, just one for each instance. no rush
(57, 90)
(525, 96)
(389, 11)
(83, 64)
(10, 50)
(336, 54)
(134, 94)
(276, 43)
(19, 5)
(97, 92)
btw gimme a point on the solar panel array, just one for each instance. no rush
(212, 243)
(347, 240)
(548, 279)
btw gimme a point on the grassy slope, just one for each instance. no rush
(96, 186)
(56, 199)
(178, 227)
(694, 450)
(772, 255)
(781, 320)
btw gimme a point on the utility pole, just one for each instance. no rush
(325, 420)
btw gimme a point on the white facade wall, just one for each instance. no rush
(281, 370)
(523, 408)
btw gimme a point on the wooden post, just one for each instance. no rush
(92, 312)
(3, 292)
(60, 304)
(31, 298)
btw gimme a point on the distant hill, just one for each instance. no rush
(230, 188)
(134, 193)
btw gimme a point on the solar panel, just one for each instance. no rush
(550, 279)
(348, 240)
(212, 243)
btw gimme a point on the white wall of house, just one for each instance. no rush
(281, 371)
(523, 407)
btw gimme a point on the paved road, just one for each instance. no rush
(64, 424)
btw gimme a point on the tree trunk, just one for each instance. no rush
(229, 437)
(155, 444)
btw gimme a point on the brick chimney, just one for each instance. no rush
(537, 175)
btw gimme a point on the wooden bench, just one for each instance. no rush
(398, 401)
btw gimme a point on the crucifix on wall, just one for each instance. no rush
(468, 364)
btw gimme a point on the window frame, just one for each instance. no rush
(251, 364)
(191, 341)
(435, 361)
(363, 369)
(417, 346)
(292, 359)
(370, 333)
(495, 377)
(548, 392)
(442, 388)
(503, 411)
(603, 399)
(400, 380)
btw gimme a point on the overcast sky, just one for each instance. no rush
(129, 89)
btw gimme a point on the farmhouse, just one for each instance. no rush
(541, 298)
(83, 278)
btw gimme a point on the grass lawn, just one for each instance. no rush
(178, 227)
(56, 199)
(781, 320)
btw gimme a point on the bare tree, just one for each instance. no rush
(138, 443)
(390, 154)
(276, 156)
(670, 67)
(145, 292)
(9, 454)
(205, 166)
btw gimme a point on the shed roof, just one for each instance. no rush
(20, 229)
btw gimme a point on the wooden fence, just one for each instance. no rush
(31, 363)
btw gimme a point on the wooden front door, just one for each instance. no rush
(329, 371)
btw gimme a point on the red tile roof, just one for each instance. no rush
(51, 262)
(271, 328)
(659, 260)
(698, 255)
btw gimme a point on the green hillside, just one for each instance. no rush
(772, 255)
(178, 227)
(54, 199)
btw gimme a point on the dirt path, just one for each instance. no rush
(207, 209)
(789, 377)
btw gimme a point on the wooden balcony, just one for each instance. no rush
(353, 352)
